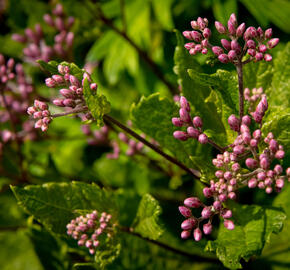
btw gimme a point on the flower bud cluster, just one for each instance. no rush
(91, 230)
(256, 42)
(36, 46)
(191, 225)
(194, 125)
(96, 137)
(14, 100)
(253, 96)
(200, 35)
(40, 111)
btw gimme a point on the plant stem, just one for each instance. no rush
(167, 247)
(221, 149)
(239, 67)
(75, 110)
(110, 119)
(143, 54)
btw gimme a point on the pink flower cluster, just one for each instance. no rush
(36, 46)
(72, 97)
(40, 111)
(89, 229)
(254, 42)
(15, 94)
(207, 213)
(96, 137)
(194, 126)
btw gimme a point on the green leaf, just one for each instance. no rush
(222, 9)
(51, 66)
(146, 222)
(17, 252)
(279, 92)
(275, 11)
(163, 13)
(277, 121)
(253, 228)
(55, 204)
(97, 104)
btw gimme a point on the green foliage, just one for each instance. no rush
(146, 221)
(253, 228)
(55, 204)
(97, 104)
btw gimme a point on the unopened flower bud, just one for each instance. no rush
(246, 120)
(231, 28)
(197, 234)
(188, 224)
(68, 102)
(206, 212)
(280, 154)
(197, 122)
(226, 44)
(184, 103)
(207, 228)
(236, 46)
(268, 33)
(240, 30)
(185, 234)
(233, 122)
(206, 33)
(268, 57)
(194, 25)
(229, 224)
(259, 56)
(192, 132)
(264, 163)
(232, 55)
(192, 202)
(177, 122)
(273, 42)
(223, 58)
(227, 213)
(217, 50)
(251, 163)
(220, 28)
(202, 138)
(217, 205)
(50, 82)
(186, 212)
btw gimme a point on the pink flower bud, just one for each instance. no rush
(232, 55)
(197, 234)
(180, 135)
(228, 175)
(259, 56)
(229, 224)
(262, 48)
(269, 190)
(280, 183)
(233, 122)
(236, 46)
(185, 234)
(280, 154)
(192, 132)
(38, 124)
(31, 110)
(194, 25)
(222, 197)
(268, 181)
(204, 43)
(257, 117)
(223, 58)
(201, 23)
(251, 44)
(184, 103)
(206, 212)
(273, 145)
(206, 33)
(217, 50)
(264, 163)
(232, 195)
(67, 93)
(74, 81)
(186, 212)
(251, 163)
(68, 102)
(197, 122)
(261, 185)
(231, 28)
(252, 183)
(37, 115)
(58, 102)
(188, 224)
(217, 205)
(189, 45)
(93, 86)
(58, 79)
(187, 34)
(246, 137)
(261, 176)
(257, 134)
(202, 138)
(240, 30)
(196, 36)
(273, 43)
(207, 228)
(69, 39)
(268, 57)
(246, 120)
(239, 149)
(50, 82)
(192, 202)
(177, 122)
(251, 52)
(219, 174)
(226, 44)
(251, 32)
(227, 213)
(268, 33)
(220, 28)
(184, 115)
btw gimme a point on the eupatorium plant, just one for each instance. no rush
(208, 146)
